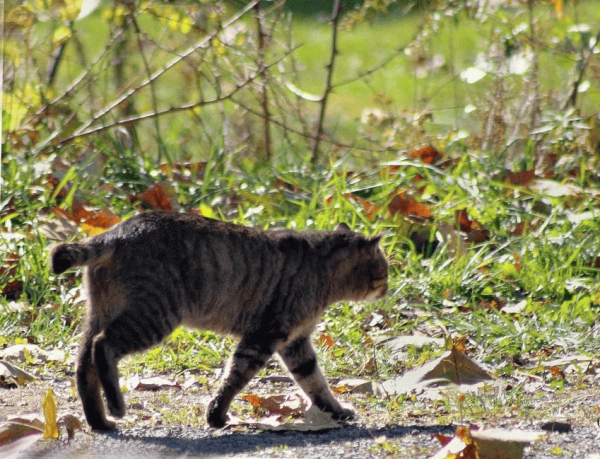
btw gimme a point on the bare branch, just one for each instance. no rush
(334, 29)
(134, 119)
(264, 99)
(202, 43)
(582, 63)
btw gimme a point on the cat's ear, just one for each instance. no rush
(374, 240)
(342, 228)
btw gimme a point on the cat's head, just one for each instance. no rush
(362, 265)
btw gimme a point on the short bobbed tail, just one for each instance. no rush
(65, 256)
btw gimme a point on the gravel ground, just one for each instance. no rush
(348, 442)
(411, 437)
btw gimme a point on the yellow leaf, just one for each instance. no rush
(61, 35)
(107, 14)
(174, 21)
(186, 25)
(21, 16)
(49, 407)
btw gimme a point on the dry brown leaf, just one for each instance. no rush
(153, 383)
(71, 423)
(359, 386)
(474, 230)
(18, 427)
(406, 205)
(283, 405)
(452, 368)
(524, 178)
(503, 443)
(10, 372)
(371, 210)
(325, 341)
(428, 154)
(159, 196)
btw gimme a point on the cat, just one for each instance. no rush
(158, 270)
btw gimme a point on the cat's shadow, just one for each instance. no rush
(190, 442)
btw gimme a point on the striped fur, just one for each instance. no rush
(159, 270)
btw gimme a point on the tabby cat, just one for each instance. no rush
(159, 270)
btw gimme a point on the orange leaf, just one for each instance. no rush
(99, 221)
(522, 227)
(284, 405)
(371, 210)
(475, 230)
(443, 439)
(428, 154)
(408, 206)
(519, 178)
(325, 341)
(155, 197)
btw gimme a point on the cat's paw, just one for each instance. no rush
(103, 425)
(117, 409)
(345, 414)
(215, 415)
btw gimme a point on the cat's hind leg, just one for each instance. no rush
(132, 331)
(88, 385)
(249, 357)
(301, 359)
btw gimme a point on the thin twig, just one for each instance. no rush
(85, 74)
(583, 63)
(160, 141)
(535, 84)
(85, 128)
(334, 29)
(134, 119)
(264, 99)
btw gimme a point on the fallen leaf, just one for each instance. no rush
(454, 449)
(475, 231)
(503, 443)
(71, 423)
(154, 383)
(159, 196)
(283, 405)
(523, 178)
(24, 438)
(12, 372)
(406, 205)
(359, 386)
(325, 341)
(23, 353)
(99, 221)
(20, 426)
(49, 408)
(428, 154)
(452, 368)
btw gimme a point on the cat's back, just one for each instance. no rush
(164, 230)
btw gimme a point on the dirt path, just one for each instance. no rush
(148, 433)
(347, 442)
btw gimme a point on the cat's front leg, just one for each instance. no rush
(301, 359)
(249, 357)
